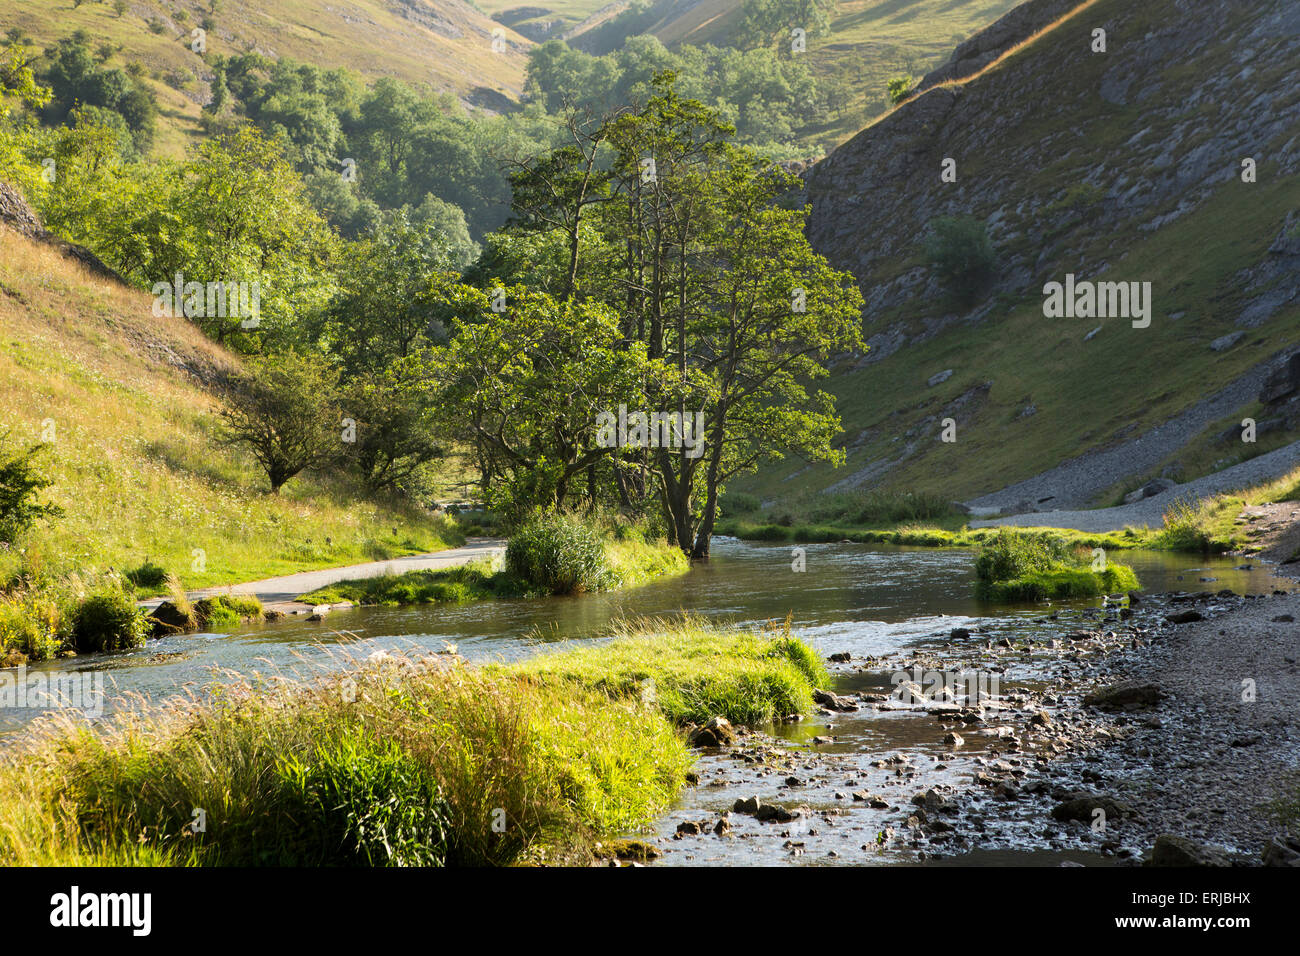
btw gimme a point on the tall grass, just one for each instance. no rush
(409, 761)
(1020, 565)
(693, 670)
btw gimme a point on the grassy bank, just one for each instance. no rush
(693, 670)
(613, 564)
(1016, 565)
(420, 762)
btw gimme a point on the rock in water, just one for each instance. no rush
(718, 732)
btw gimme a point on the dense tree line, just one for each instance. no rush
(648, 271)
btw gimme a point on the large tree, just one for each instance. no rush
(715, 280)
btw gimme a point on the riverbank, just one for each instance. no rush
(399, 760)
(1139, 710)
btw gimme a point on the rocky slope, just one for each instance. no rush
(1124, 165)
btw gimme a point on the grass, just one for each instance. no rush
(693, 670)
(132, 450)
(1017, 565)
(628, 563)
(406, 761)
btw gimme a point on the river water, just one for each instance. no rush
(865, 599)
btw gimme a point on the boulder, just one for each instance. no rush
(1127, 696)
(1081, 806)
(1283, 382)
(1282, 851)
(1152, 488)
(1172, 850)
(718, 732)
(167, 618)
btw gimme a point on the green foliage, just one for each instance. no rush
(227, 610)
(558, 554)
(1184, 528)
(285, 411)
(694, 670)
(416, 765)
(108, 620)
(20, 486)
(147, 576)
(900, 88)
(739, 503)
(1016, 565)
(361, 802)
(1013, 554)
(962, 256)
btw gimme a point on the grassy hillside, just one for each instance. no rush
(870, 41)
(134, 456)
(446, 44)
(1110, 184)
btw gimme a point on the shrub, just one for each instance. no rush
(558, 554)
(30, 626)
(20, 485)
(108, 620)
(900, 88)
(147, 575)
(1184, 528)
(962, 256)
(1013, 554)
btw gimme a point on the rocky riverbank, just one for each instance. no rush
(1152, 727)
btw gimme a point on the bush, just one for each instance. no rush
(1037, 566)
(1013, 554)
(900, 88)
(558, 554)
(30, 627)
(962, 256)
(108, 620)
(147, 575)
(20, 484)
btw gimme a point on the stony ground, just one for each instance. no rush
(1201, 736)
(1150, 511)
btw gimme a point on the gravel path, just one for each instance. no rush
(1078, 482)
(1150, 511)
(284, 590)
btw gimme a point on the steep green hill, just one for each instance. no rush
(447, 44)
(1124, 166)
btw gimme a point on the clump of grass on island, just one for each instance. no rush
(400, 761)
(693, 670)
(1019, 565)
(553, 554)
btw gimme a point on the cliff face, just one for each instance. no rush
(1121, 165)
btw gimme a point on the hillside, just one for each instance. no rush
(446, 44)
(1116, 166)
(870, 41)
(127, 405)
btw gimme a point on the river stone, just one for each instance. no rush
(1172, 850)
(718, 732)
(833, 701)
(167, 618)
(1185, 617)
(953, 739)
(1126, 696)
(750, 805)
(1080, 806)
